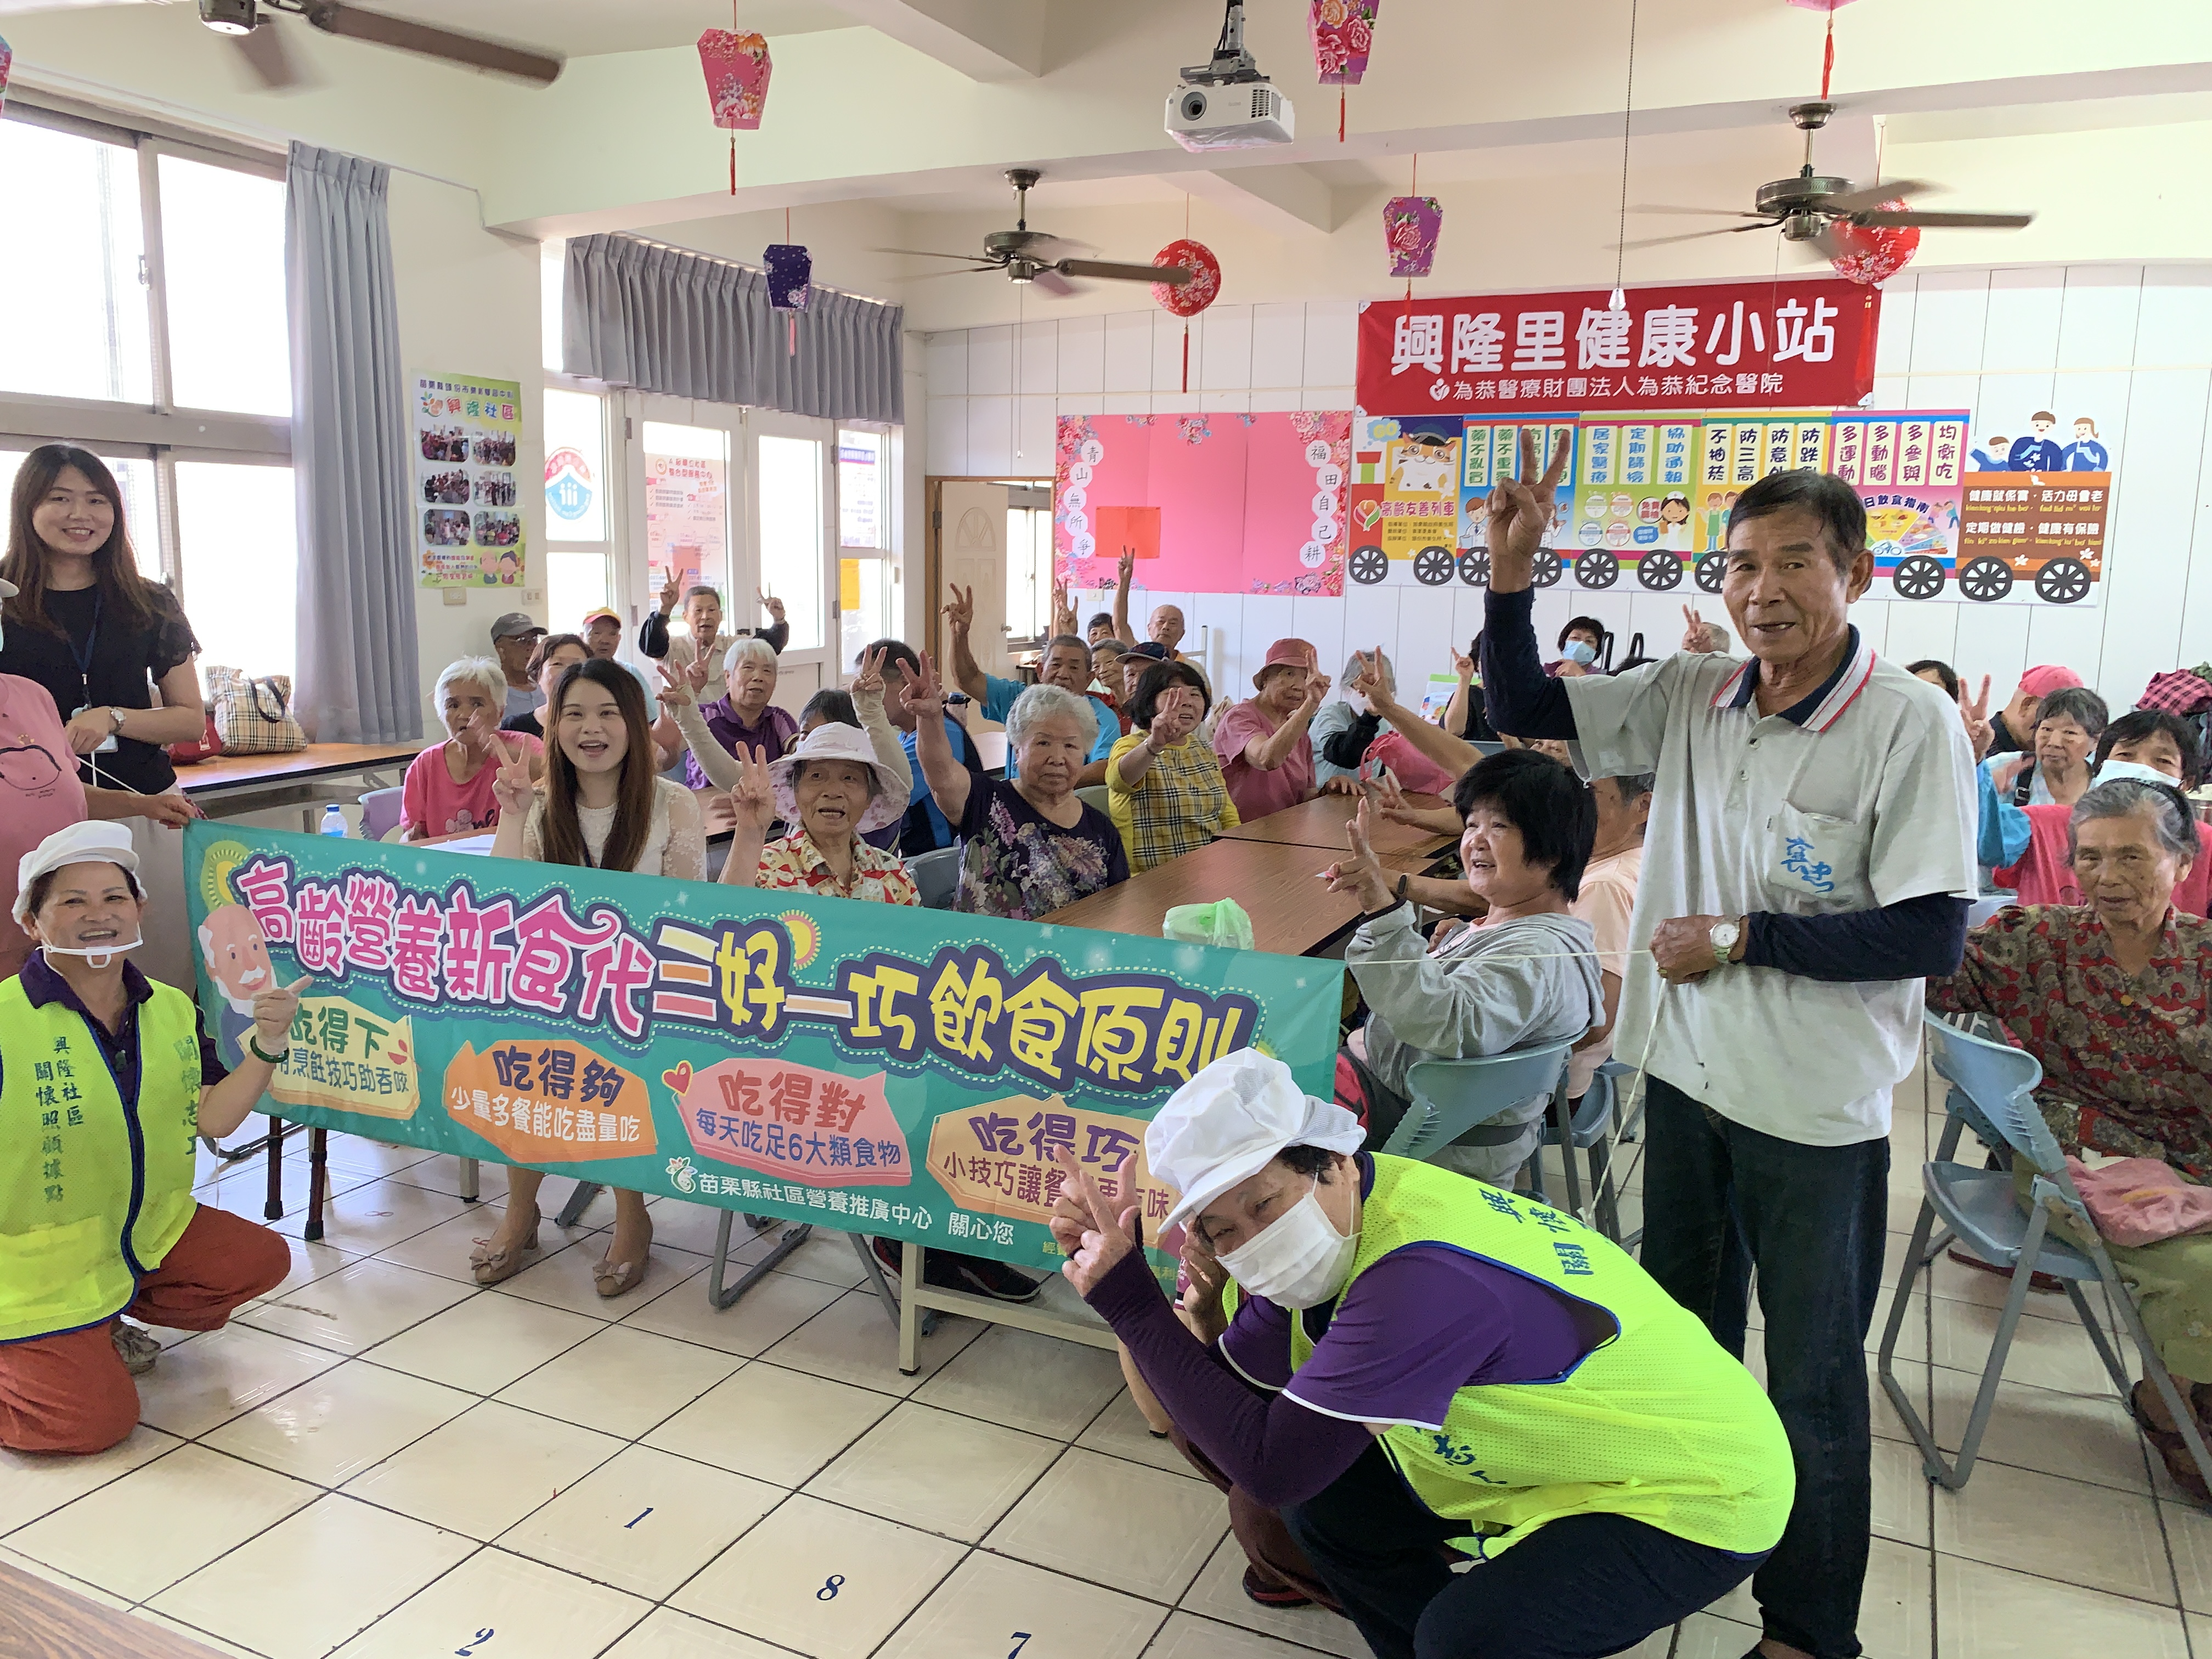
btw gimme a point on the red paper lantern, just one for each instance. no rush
(1871, 254)
(1188, 299)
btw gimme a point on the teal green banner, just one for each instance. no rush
(873, 1067)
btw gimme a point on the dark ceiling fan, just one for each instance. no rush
(248, 22)
(1806, 208)
(1044, 260)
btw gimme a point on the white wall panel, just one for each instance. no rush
(1950, 316)
(1919, 630)
(1425, 627)
(1320, 623)
(1168, 349)
(1082, 358)
(944, 362)
(990, 436)
(2174, 325)
(1228, 359)
(2023, 326)
(1371, 618)
(2153, 514)
(1992, 641)
(1276, 399)
(1874, 617)
(1892, 347)
(1279, 346)
(945, 440)
(2069, 635)
(1037, 357)
(2097, 316)
(1128, 360)
(1033, 438)
(1332, 341)
(990, 361)
(1267, 618)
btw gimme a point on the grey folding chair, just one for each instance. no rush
(1458, 1102)
(1993, 1091)
(938, 875)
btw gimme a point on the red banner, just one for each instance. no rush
(1800, 343)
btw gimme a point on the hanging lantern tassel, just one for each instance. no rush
(1186, 355)
(1341, 95)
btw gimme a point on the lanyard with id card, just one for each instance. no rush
(83, 660)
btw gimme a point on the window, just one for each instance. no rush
(687, 507)
(791, 533)
(161, 232)
(579, 565)
(861, 490)
(1028, 566)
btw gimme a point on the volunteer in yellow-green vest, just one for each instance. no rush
(105, 1081)
(1410, 1363)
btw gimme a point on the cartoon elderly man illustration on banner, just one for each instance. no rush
(236, 952)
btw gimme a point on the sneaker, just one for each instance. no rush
(135, 1346)
(1272, 1595)
(2042, 1284)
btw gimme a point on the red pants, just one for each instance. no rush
(70, 1393)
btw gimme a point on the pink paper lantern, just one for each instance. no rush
(1188, 299)
(7, 58)
(737, 68)
(1343, 34)
(1410, 225)
(1871, 254)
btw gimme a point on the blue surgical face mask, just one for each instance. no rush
(1581, 652)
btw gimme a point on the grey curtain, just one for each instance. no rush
(359, 678)
(662, 319)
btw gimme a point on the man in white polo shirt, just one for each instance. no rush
(1810, 857)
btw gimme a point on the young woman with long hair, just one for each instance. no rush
(84, 624)
(602, 807)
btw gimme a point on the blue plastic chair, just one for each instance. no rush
(380, 813)
(938, 875)
(1981, 910)
(1591, 1134)
(1458, 1101)
(1993, 1091)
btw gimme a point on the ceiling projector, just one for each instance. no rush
(1228, 104)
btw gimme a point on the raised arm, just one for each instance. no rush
(653, 632)
(1454, 719)
(959, 618)
(1175, 717)
(752, 805)
(1271, 751)
(1447, 748)
(866, 691)
(1122, 578)
(949, 780)
(778, 632)
(2003, 833)
(679, 696)
(1523, 699)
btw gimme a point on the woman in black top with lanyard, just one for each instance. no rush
(90, 629)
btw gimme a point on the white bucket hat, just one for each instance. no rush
(87, 842)
(833, 741)
(1228, 1123)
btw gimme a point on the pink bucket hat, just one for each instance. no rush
(833, 741)
(1285, 653)
(2043, 680)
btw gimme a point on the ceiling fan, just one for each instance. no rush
(263, 50)
(1034, 257)
(1807, 208)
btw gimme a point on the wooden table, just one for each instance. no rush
(1293, 913)
(42, 1619)
(230, 786)
(1320, 823)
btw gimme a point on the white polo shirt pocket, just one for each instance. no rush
(1817, 861)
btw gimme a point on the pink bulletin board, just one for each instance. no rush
(1218, 503)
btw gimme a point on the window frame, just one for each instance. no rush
(160, 429)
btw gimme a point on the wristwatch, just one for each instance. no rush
(1724, 935)
(115, 716)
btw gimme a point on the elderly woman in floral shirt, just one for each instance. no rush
(2111, 997)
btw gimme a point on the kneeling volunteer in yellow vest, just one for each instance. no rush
(106, 1079)
(1408, 1362)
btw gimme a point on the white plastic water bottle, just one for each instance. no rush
(334, 821)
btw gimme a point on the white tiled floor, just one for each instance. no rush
(381, 1459)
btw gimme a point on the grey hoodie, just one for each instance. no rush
(1489, 988)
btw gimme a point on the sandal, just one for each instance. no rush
(491, 1266)
(2171, 1445)
(1272, 1595)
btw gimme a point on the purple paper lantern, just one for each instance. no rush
(1410, 225)
(790, 276)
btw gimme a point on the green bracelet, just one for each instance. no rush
(253, 1042)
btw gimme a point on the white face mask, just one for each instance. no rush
(99, 958)
(1300, 1260)
(1581, 652)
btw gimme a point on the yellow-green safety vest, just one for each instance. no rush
(94, 1190)
(1658, 1423)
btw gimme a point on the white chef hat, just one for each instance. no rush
(87, 842)
(1229, 1120)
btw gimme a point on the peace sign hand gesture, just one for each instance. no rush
(1974, 715)
(770, 604)
(510, 785)
(1063, 611)
(1361, 875)
(682, 685)
(1202, 1307)
(1367, 681)
(1519, 513)
(670, 591)
(869, 681)
(922, 692)
(752, 799)
(1696, 636)
(1087, 1225)
(960, 609)
(1462, 665)
(274, 1010)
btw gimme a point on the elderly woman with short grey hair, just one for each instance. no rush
(1031, 844)
(1343, 729)
(743, 723)
(2110, 996)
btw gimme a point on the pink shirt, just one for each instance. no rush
(431, 800)
(1257, 793)
(40, 793)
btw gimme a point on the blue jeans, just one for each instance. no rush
(1720, 1200)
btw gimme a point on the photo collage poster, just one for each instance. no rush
(469, 519)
